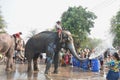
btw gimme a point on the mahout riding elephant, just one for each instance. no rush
(48, 42)
(7, 48)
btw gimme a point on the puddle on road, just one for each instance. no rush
(65, 73)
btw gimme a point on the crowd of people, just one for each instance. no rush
(65, 58)
(109, 60)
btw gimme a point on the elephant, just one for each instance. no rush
(7, 48)
(48, 42)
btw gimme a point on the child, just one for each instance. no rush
(113, 73)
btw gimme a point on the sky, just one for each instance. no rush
(28, 15)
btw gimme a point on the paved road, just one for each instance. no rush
(65, 73)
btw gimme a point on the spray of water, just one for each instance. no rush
(106, 43)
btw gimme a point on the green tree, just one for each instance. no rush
(2, 24)
(115, 28)
(78, 21)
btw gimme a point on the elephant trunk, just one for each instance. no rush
(74, 53)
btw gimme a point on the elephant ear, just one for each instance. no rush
(67, 36)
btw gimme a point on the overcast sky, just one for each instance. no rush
(27, 15)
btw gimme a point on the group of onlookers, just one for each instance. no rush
(109, 59)
(65, 58)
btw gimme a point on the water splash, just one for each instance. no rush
(101, 48)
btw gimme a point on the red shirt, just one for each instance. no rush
(17, 35)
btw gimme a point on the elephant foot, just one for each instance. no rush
(30, 74)
(29, 70)
(46, 72)
(13, 68)
(48, 77)
(8, 69)
(55, 72)
(36, 69)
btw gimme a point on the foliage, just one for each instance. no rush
(115, 28)
(2, 24)
(78, 21)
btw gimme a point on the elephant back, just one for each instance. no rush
(44, 36)
(38, 42)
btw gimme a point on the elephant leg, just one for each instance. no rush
(56, 63)
(29, 65)
(48, 64)
(35, 63)
(50, 54)
(10, 64)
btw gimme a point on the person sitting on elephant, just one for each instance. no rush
(59, 29)
(17, 35)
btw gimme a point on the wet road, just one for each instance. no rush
(65, 73)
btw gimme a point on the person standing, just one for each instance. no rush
(101, 59)
(19, 46)
(20, 50)
(114, 65)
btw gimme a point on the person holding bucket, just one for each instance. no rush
(114, 65)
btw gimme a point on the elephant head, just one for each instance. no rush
(67, 43)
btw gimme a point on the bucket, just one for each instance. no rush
(84, 64)
(95, 65)
(75, 62)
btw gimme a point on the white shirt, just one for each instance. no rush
(58, 26)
